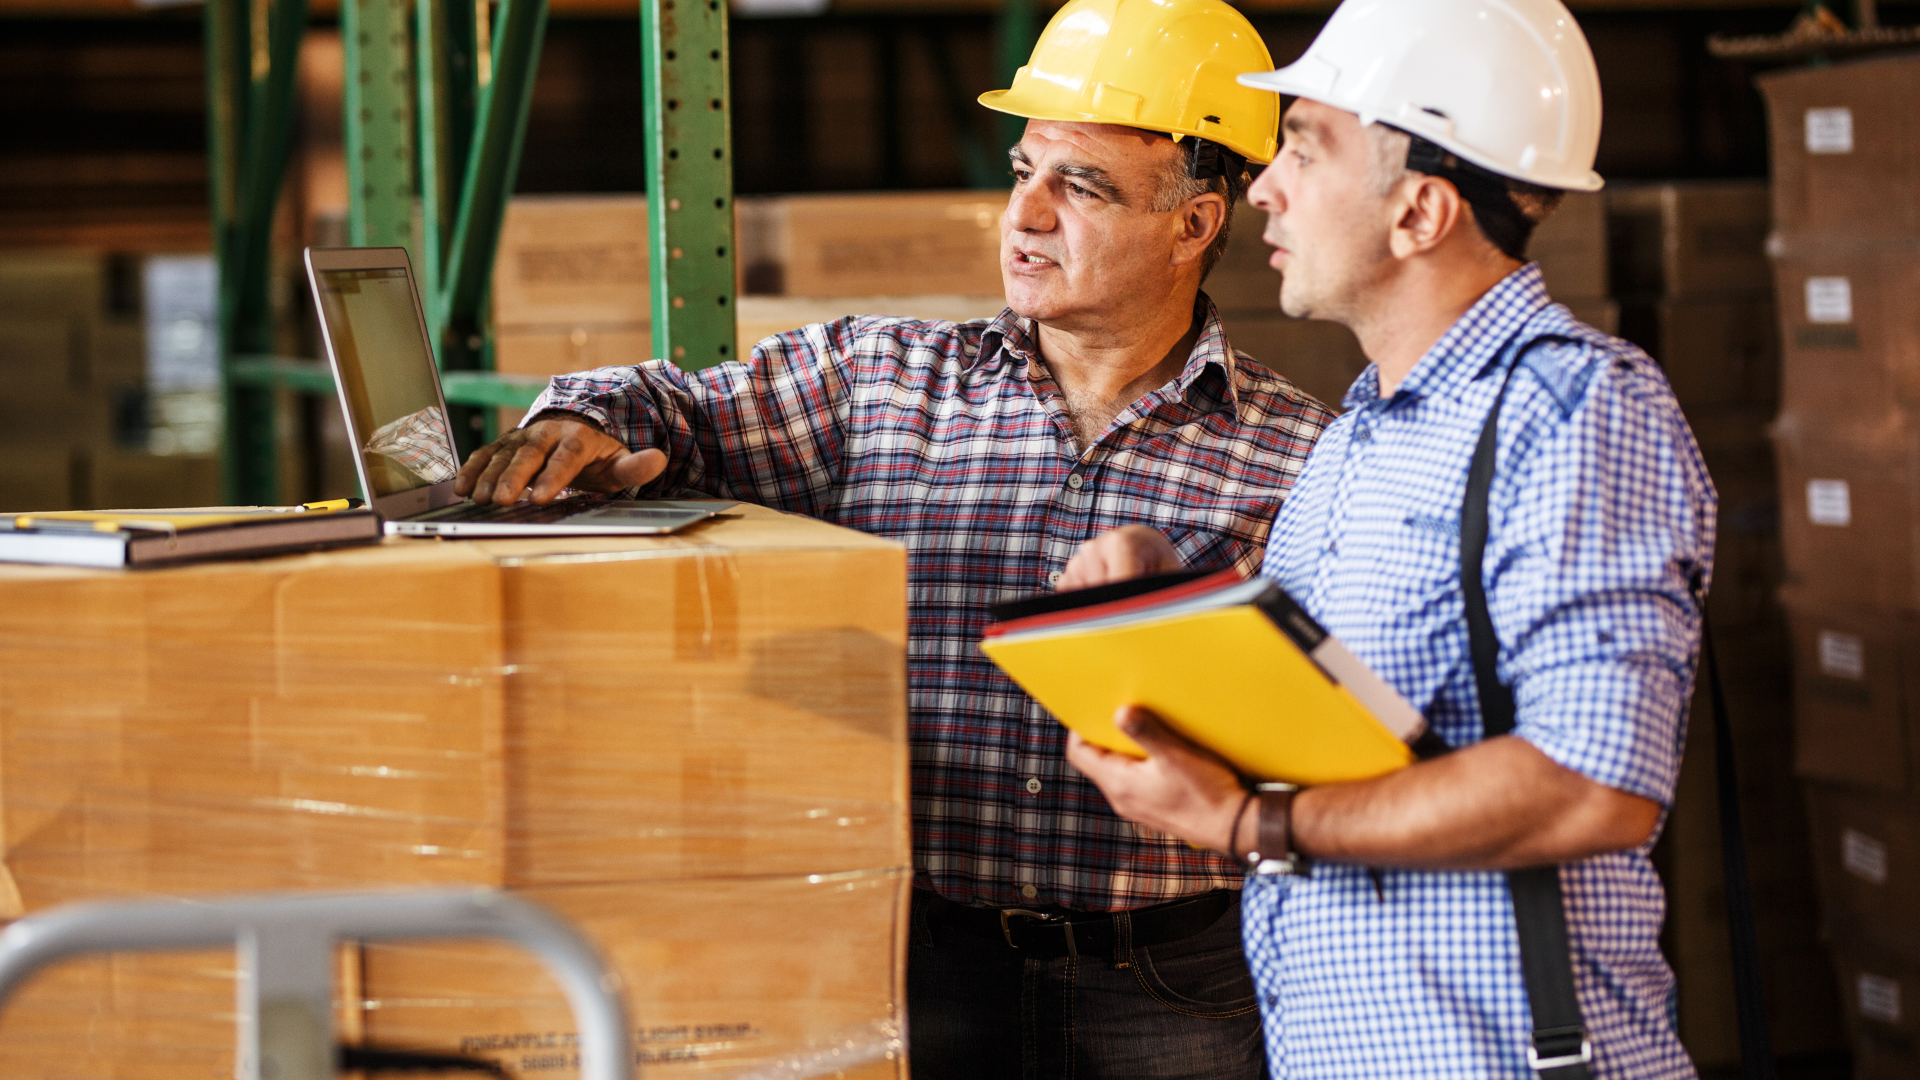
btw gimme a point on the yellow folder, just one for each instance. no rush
(1229, 679)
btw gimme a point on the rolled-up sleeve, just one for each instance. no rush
(1606, 528)
(769, 429)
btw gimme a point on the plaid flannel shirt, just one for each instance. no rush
(420, 442)
(953, 439)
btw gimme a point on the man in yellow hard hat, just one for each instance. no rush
(1049, 937)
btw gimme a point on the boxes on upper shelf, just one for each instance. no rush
(1692, 238)
(1720, 351)
(1849, 333)
(1849, 506)
(1842, 138)
(1321, 358)
(1855, 670)
(572, 261)
(1571, 248)
(1867, 856)
(1881, 994)
(878, 244)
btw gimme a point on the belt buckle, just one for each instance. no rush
(1006, 929)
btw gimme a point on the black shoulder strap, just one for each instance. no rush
(1560, 1049)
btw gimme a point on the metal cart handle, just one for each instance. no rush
(284, 945)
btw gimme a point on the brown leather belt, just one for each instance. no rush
(1056, 932)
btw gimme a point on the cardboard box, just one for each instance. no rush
(1802, 1010)
(722, 976)
(878, 244)
(1242, 280)
(1842, 140)
(432, 713)
(1720, 352)
(52, 284)
(1855, 669)
(1849, 333)
(35, 478)
(1848, 502)
(1596, 311)
(1571, 248)
(694, 745)
(556, 350)
(123, 480)
(1321, 358)
(549, 351)
(1690, 239)
(1867, 856)
(572, 261)
(1882, 999)
(763, 316)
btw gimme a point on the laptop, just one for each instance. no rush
(376, 342)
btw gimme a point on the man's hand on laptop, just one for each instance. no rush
(548, 456)
(1121, 554)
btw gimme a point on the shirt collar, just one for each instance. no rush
(1011, 336)
(1468, 346)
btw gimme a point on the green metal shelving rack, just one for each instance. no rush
(436, 101)
(435, 110)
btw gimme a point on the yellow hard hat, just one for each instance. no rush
(1163, 65)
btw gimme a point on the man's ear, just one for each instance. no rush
(1427, 210)
(1201, 219)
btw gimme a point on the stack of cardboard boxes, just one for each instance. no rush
(1846, 203)
(74, 390)
(571, 285)
(694, 747)
(1691, 276)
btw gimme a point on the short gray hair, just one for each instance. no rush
(1177, 185)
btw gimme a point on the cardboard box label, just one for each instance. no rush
(1879, 998)
(1830, 131)
(1843, 655)
(1828, 503)
(1829, 300)
(1863, 856)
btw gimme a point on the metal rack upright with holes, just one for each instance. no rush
(435, 114)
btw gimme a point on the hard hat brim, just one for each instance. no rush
(1290, 81)
(1006, 101)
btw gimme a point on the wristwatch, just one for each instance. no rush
(1273, 852)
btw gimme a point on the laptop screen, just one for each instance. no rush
(387, 376)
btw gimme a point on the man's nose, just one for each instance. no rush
(1265, 194)
(1030, 209)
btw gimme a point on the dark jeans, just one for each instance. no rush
(979, 1010)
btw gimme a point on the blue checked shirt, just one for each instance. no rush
(953, 438)
(1600, 513)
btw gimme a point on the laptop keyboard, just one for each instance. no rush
(521, 512)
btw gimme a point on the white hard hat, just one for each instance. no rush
(1508, 85)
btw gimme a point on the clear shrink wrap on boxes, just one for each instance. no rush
(693, 746)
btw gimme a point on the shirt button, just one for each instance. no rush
(1033, 785)
(1029, 891)
(1363, 434)
(1054, 578)
(1076, 482)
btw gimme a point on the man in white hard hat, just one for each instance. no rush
(1512, 524)
(1049, 937)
